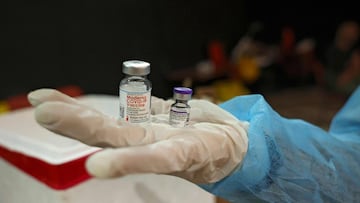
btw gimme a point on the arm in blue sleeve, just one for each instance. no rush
(290, 160)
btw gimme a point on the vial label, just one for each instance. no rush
(179, 118)
(135, 106)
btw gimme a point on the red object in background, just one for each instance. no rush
(287, 40)
(217, 55)
(71, 90)
(58, 177)
(17, 102)
(20, 101)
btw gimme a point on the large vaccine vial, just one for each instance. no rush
(135, 92)
(180, 110)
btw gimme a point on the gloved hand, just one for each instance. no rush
(207, 150)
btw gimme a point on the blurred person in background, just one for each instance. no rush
(342, 60)
(298, 61)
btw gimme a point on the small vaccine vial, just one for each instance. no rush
(135, 92)
(180, 110)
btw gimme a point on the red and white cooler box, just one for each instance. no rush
(38, 166)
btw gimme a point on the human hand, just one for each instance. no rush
(206, 151)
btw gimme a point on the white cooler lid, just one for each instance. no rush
(55, 160)
(20, 132)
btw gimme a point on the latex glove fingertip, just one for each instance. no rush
(99, 164)
(44, 115)
(37, 96)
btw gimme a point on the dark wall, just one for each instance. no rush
(55, 43)
(312, 19)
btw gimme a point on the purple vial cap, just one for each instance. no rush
(182, 90)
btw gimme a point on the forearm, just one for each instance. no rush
(289, 160)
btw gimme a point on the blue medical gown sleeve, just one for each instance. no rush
(290, 160)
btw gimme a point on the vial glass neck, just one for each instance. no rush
(181, 101)
(183, 97)
(136, 76)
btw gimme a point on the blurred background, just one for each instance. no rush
(298, 56)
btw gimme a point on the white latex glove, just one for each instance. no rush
(206, 151)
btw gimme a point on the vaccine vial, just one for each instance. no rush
(180, 110)
(135, 92)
